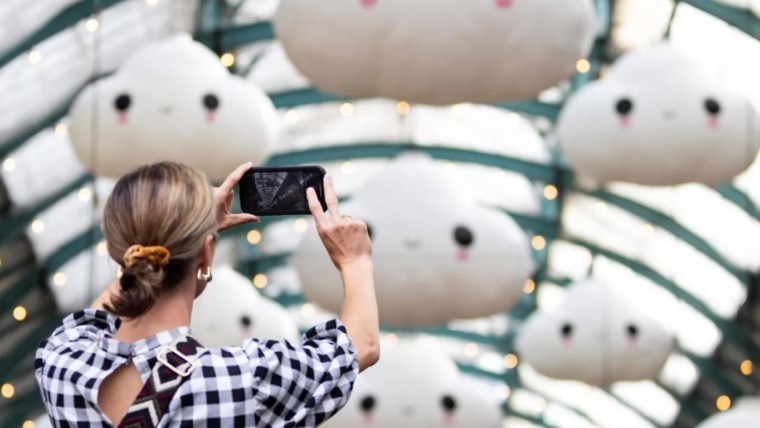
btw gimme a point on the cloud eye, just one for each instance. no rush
(368, 404)
(463, 236)
(449, 403)
(246, 321)
(566, 330)
(211, 102)
(712, 107)
(633, 331)
(122, 102)
(624, 106)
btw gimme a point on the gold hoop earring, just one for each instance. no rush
(119, 272)
(205, 277)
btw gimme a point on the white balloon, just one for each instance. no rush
(172, 100)
(423, 275)
(657, 120)
(417, 386)
(230, 310)
(744, 414)
(596, 337)
(434, 51)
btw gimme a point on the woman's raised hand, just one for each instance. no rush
(223, 199)
(346, 239)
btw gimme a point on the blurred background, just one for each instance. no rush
(562, 194)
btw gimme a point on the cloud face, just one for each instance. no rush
(438, 256)
(596, 337)
(433, 51)
(230, 310)
(173, 100)
(415, 386)
(656, 120)
(744, 414)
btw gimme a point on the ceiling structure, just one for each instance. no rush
(693, 252)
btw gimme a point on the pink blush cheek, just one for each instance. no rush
(368, 3)
(463, 255)
(368, 419)
(566, 343)
(504, 4)
(448, 418)
(625, 122)
(122, 118)
(210, 117)
(713, 122)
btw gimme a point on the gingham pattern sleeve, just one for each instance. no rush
(77, 330)
(303, 385)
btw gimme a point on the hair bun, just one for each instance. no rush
(157, 256)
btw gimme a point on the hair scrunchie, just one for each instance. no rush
(156, 256)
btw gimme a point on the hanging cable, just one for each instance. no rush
(93, 153)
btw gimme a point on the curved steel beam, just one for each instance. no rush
(673, 227)
(728, 329)
(63, 20)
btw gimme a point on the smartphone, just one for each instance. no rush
(281, 190)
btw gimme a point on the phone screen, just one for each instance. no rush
(280, 191)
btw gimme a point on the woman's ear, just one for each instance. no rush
(209, 248)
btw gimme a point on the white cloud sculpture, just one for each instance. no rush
(438, 255)
(436, 51)
(597, 337)
(745, 414)
(657, 120)
(172, 100)
(416, 385)
(230, 310)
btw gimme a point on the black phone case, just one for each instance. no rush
(247, 193)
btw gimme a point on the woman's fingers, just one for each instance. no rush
(331, 199)
(233, 179)
(315, 207)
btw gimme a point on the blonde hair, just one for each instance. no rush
(164, 205)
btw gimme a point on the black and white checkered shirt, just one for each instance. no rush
(259, 384)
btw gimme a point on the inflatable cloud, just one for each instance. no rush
(657, 120)
(438, 256)
(415, 386)
(596, 337)
(436, 51)
(230, 310)
(173, 100)
(745, 414)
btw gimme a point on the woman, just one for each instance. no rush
(161, 223)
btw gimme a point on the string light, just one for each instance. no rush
(723, 403)
(85, 194)
(1, 262)
(19, 313)
(254, 237)
(510, 361)
(92, 25)
(9, 164)
(529, 287)
(7, 390)
(550, 192)
(27, 424)
(34, 57)
(506, 391)
(292, 116)
(402, 107)
(471, 350)
(538, 242)
(260, 281)
(301, 225)
(601, 208)
(347, 167)
(391, 338)
(463, 108)
(307, 310)
(151, 2)
(59, 279)
(61, 129)
(648, 227)
(346, 109)
(583, 66)
(228, 60)
(747, 367)
(102, 248)
(38, 226)
(451, 166)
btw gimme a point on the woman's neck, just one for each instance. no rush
(170, 311)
